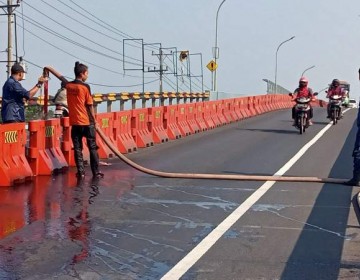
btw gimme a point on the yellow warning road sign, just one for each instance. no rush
(212, 65)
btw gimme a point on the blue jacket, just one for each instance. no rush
(13, 108)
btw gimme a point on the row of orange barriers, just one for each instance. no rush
(49, 147)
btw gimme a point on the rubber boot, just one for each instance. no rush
(355, 180)
(78, 156)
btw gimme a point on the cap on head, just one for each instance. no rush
(17, 68)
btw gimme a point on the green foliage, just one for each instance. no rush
(34, 112)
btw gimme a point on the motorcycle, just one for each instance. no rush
(335, 107)
(61, 107)
(302, 112)
(61, 111)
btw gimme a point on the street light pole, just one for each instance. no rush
(276, 60)
(216, 50)
(306, 70)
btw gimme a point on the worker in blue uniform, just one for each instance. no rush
(355, 180)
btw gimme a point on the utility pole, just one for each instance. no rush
(161, 55)
(161, 70)
(9, 11)
(9, 48)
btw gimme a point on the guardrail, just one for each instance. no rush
(133, 97)
(49, 147)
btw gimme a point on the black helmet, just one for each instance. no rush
(335, 82)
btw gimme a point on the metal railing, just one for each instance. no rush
(133, 97)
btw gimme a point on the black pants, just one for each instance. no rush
(77, 134)
(311, 113)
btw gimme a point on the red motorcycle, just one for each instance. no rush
(302, 112)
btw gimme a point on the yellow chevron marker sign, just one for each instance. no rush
(11, 137)
(212, 65)
(49, 131)
(124, 119)
(105, 123)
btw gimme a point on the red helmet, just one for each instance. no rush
(303, 80)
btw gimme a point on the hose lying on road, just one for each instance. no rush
(213, 176)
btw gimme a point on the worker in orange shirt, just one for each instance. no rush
(82, 120)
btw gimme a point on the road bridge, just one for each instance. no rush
(131, 225)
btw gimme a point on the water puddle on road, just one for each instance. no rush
(56, 211)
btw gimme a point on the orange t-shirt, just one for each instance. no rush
(79, 98)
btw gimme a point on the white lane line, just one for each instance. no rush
(195, 254)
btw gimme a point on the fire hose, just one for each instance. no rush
(163, 174)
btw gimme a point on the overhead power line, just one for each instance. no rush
(77, 33)
(74, 56)
(91, 28)
(97, 84)
(102, 23)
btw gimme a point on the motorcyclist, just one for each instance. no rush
(60, 98)
(303, 91)
(334, 89)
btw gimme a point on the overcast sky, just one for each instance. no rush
(249, 32)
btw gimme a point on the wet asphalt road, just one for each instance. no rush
(131, 225)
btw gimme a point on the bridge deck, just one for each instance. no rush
(131, 225)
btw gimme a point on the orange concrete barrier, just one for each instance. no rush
(270, 102)
(66, 142)
(67, 147)
(244, 107)
(181, 120)
(199, 116)
(170, 122)
(278, 101)
(273, 102)
(139, 128)
(122, 132)
(44, 153)
(156, 124)
(288, 102)
(257, 105)
(106, 123)
(251, 106)
(237, 110)
(14, 168)
(213, 113)
(220, 112)
(284, 102)
(207, 115)
(322, 103)
(191, 118)
(281, 101)
(229, 110)
(263, 104)
(267, 106)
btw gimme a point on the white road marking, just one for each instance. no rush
(195, 254)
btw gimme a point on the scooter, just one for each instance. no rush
(302, 112)
(61, 111)
(335, 107)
